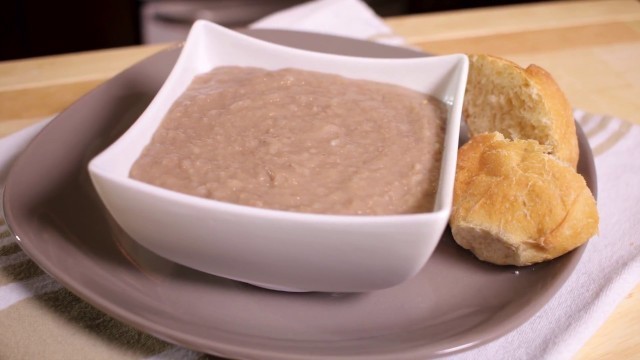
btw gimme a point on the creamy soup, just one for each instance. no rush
(299, 141)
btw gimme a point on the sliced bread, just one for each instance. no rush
(514, 204)
(519, 103)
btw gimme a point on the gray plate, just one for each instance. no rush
(456, 302)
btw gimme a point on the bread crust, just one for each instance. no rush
(514, 204)
(521, 104)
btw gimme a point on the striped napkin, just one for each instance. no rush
(41, 319)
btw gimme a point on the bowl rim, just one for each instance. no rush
(100, 165)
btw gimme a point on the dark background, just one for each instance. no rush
(31, 28)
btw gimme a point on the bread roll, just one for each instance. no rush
(521, 104)
(514, 204)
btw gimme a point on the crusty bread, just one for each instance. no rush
(519, 103)
(514, 204)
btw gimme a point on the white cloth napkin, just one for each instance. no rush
(348, 18)
(610, 267)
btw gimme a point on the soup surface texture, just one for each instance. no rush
(299, 141)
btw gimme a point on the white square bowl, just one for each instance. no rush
(270, 248)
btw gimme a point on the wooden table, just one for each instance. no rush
(591, 47)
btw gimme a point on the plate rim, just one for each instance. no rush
(225, 349)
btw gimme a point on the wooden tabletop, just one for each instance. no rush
(592, 48)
